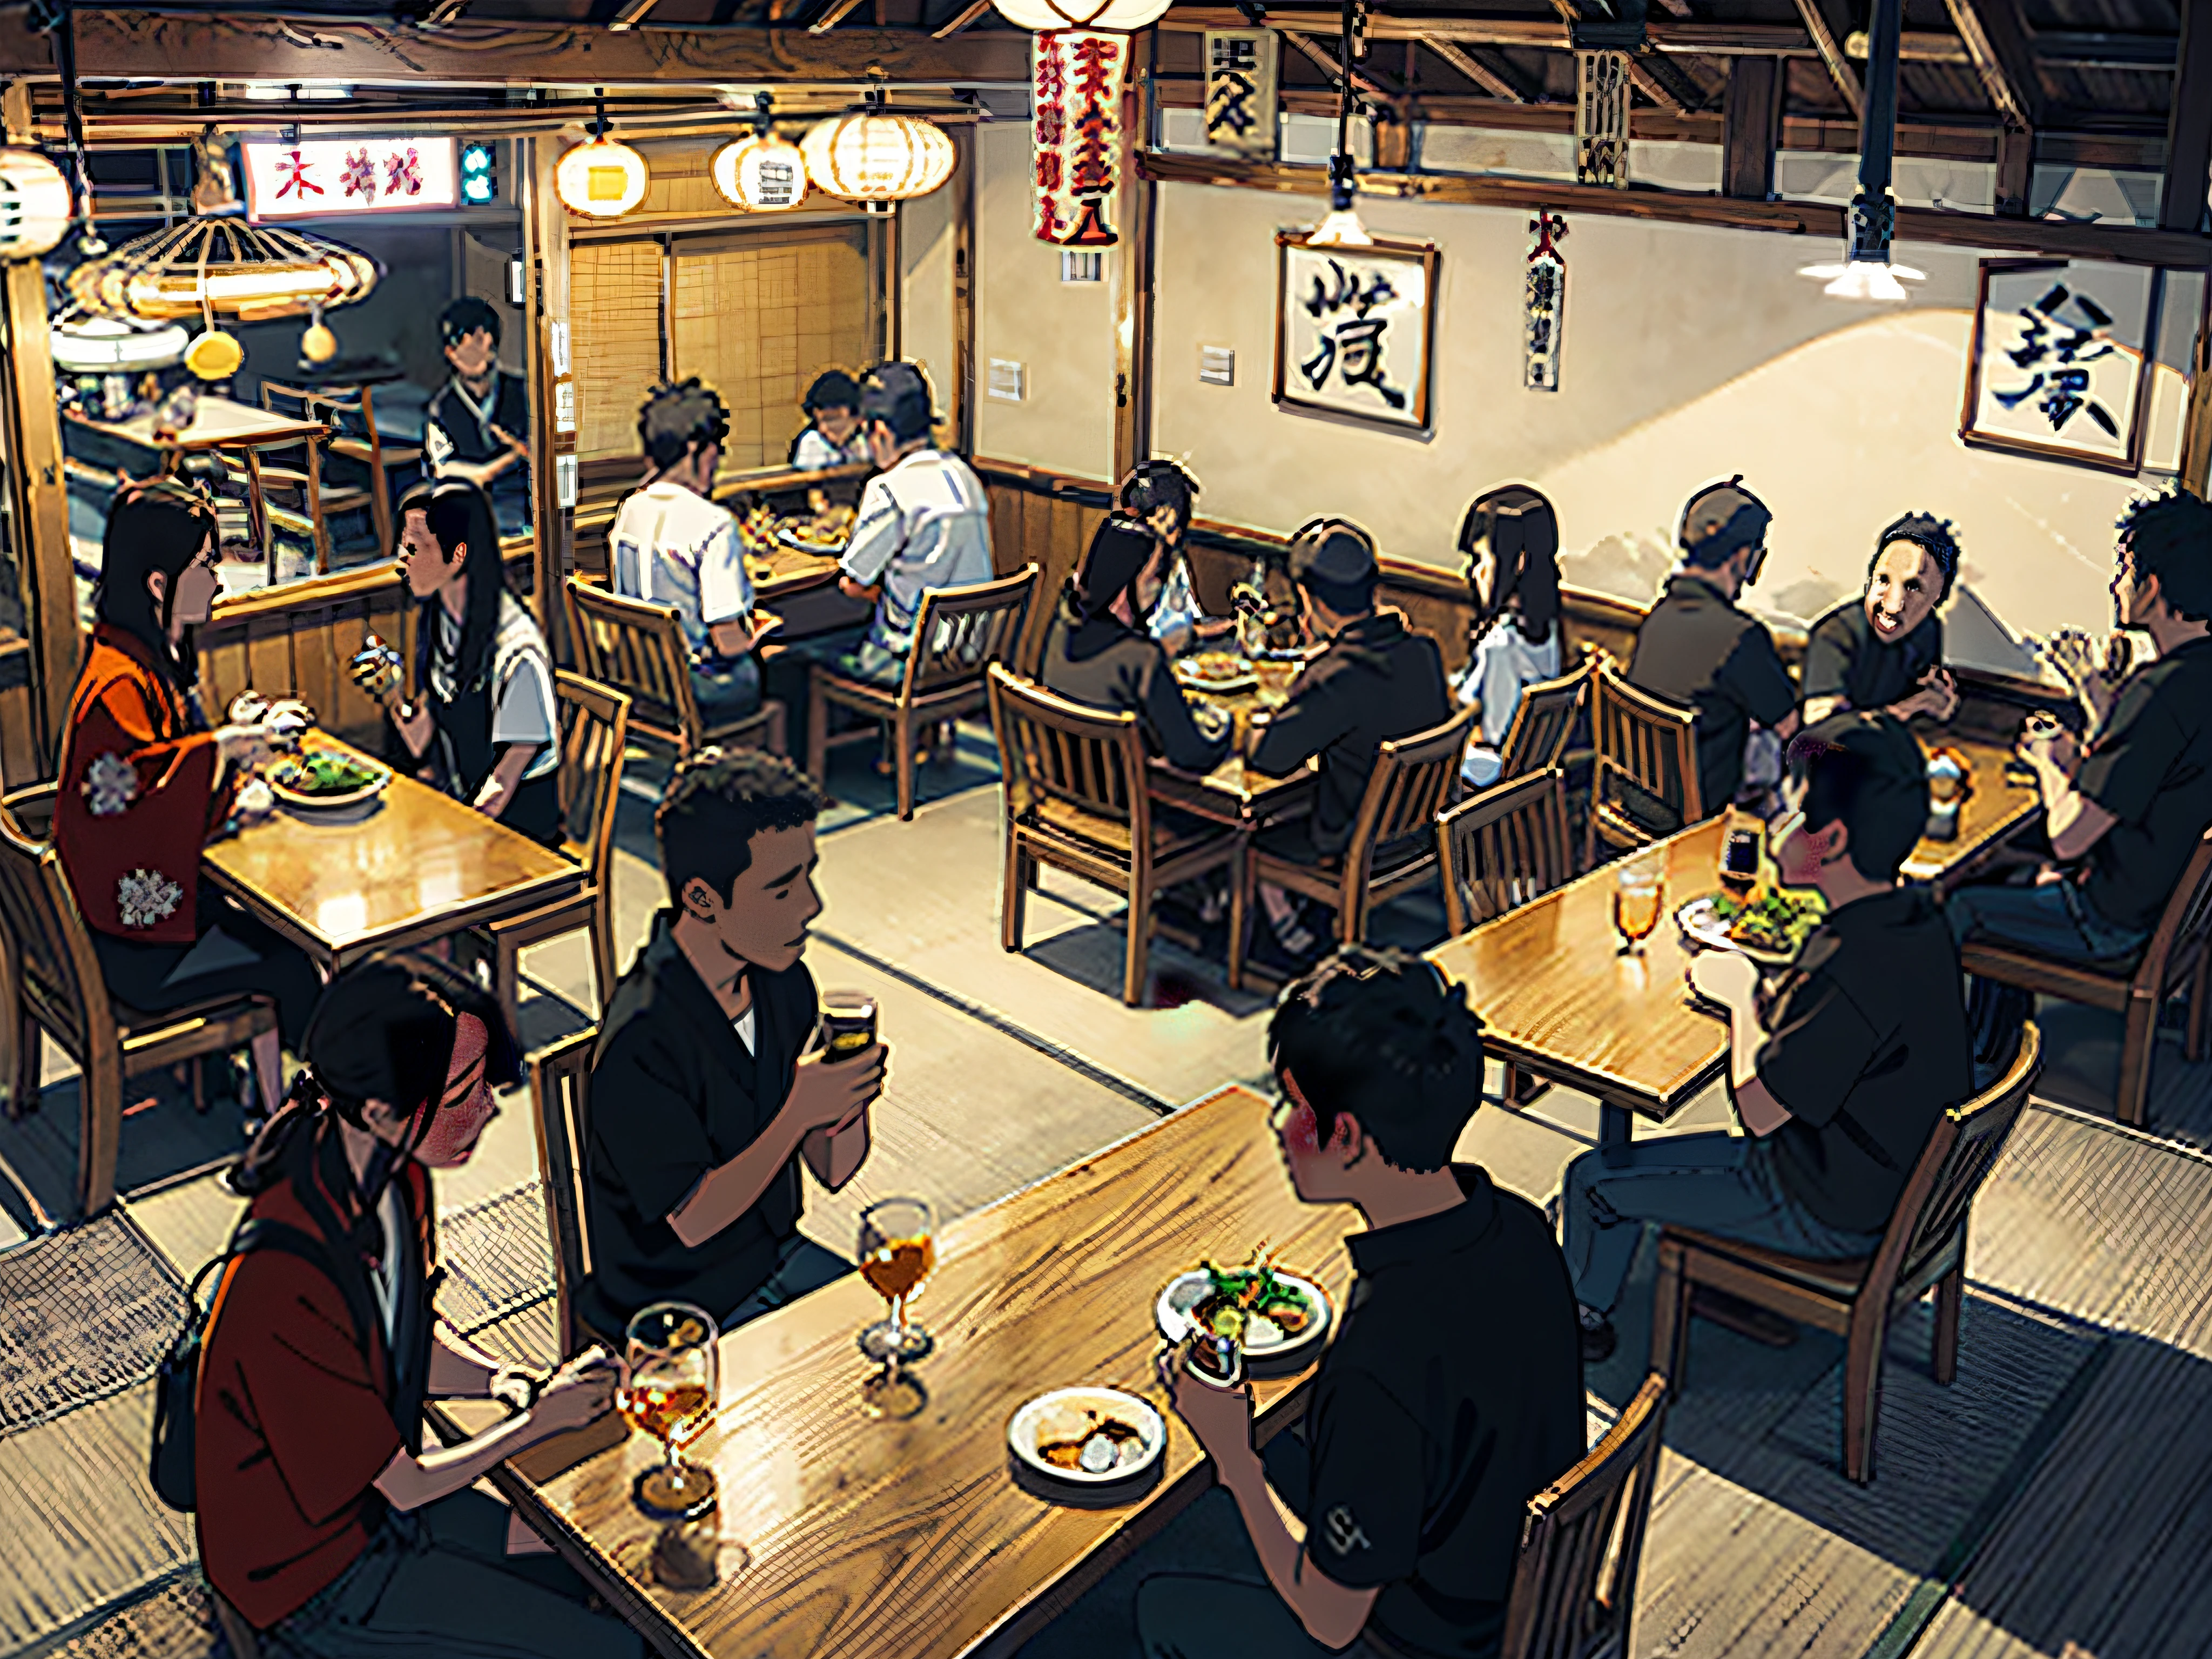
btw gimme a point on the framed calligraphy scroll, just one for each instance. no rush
(2059, 363)
(1353, 330)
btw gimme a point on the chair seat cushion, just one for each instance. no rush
(1174, 833)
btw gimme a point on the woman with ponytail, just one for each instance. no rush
(321, 1518)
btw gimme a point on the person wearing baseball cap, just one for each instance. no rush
(1698, 648)
(1839, 1086)
(1375, 679)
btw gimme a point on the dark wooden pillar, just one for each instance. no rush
(1133, 290)
(2188, 124)
(1751, 126)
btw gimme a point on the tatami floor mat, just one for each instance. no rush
(84, 1313)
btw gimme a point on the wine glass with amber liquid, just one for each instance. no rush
(897, 1250)
(1637, 891)
(672, 1377)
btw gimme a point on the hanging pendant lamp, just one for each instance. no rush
(875, 155)
(603, 178)
(1342, 228)
(1866, 272)
(761, 172)
(35, 207)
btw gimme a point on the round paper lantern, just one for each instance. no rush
(601, 180)
(873, 156)
(761, 173)
(102, 345)
(215, 355)
(1117, 15)
(35, 204)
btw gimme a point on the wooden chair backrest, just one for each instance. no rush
(2186, 920)
(1083, 757)
(1574, 1579)
(1542, 724)
(1505, 846)
(639, 650)
(560, 1094)
(298, 403)
(594, 724)
(57, 974)
(1646, 740)
(1413, 781)
(960, 629)
(1952, 1167)
(358, 401)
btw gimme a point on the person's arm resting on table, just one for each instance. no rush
(1295, 733)
(726, 595)
(1732, 981)
(878, 535)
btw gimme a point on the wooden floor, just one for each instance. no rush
(2056, 1501)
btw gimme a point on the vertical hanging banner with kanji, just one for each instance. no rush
(2057, 367)
(1547, 303)
(1076, 154)
(1240, 91)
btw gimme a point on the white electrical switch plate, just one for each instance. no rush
(564, 480)
(1217, 365)
(1006, 379)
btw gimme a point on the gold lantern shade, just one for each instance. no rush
(601, 179)
(875, 155)
(210, 268)
(35, 204)
(1118, 16)
(761, 173)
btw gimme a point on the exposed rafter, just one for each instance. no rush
(1492, 79)
(632, 15)
(2189, 125)
(1666, 83)
(838, 11)
(1329, 66)
(1824, 42)
(1990, 33)
(963, 21)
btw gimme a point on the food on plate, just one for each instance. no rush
(756, 530)
(1214, 668)
(825, 532)
(1251, 1304)
(1106, 1443)
(322, 775)
(1770, 919)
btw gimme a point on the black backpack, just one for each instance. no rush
(175, 1400)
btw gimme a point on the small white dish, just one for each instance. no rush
(1076, 1416)
(1263, 1338)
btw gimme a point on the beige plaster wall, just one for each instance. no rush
(926, 288)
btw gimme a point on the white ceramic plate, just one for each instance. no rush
(1701, 925)
(1263, 1339)
(305, 803)
(1190, 680)
(1073, 1414)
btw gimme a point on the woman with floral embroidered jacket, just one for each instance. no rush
(145, 785)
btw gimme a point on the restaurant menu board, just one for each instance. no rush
(1353, 329)
(2055, 368)
(323, 177)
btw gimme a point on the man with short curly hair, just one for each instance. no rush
(1885, 649)
(707, 1088)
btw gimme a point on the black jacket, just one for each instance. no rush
(1102, 664)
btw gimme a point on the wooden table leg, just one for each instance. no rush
(1614, 1124)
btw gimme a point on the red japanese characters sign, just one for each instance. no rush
(1078, 135)
(320, 176)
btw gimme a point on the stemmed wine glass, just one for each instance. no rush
(1637, 891)
(671, 1378)
(898, 1249)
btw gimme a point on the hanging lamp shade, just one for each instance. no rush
(874, 155)
(761, 173)
(210, 268)
(1118, 15)
(103, 345)
(35, 204)
(601, 179)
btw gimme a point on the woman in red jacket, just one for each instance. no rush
(145, 785)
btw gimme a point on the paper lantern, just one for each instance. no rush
(101, 345)
(207, 268)
(873, 156)
(1077, 139)
(761, 173)
(215, 355)
(1041, 14)
(601, 180)
(35, 204)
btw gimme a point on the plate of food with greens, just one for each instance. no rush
(1768, 924)
(326, 781)
(1270, 1312)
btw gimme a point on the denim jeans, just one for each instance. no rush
(804, 1267)
(727, 690)
(1716, 1182)
(2053, 919)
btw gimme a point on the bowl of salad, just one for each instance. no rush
(1273, 1315)
(1770, 925)
(326, 781)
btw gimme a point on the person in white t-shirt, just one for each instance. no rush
(1511, 538)
(672, 544)
(833, 436)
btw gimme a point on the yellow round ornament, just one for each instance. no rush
(317, 344)
(215, 355)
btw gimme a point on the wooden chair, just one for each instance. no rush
(367, 448)
(1073, 780)
(1542, 723)
(1393, 842)
(1924, 1249)
(594, 723)
(560, 1094)
(2180, 949)
(1574, 1577)
(1646, 763)
(957, 633)
(639, 649)
(58, 990)
(317, 503)
(1503, 847)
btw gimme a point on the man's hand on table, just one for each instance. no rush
(1727, 977)
(1220, 1420)
(577, 1394)
(1937, 697)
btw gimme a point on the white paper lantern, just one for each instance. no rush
(601, 180)
(1120, 15)
(102, 345)
(761, 173)
(876, 156)
(35, 204)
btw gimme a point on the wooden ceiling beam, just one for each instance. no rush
(1329, 66)
(1824, 42)
(2181, 201)
(963, 21)
(839, 10)
(1990, 31)
(1491, 78)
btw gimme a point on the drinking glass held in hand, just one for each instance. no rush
(671, 1377)
(1637, 890)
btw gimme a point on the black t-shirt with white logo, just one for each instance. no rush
(1452, 1395)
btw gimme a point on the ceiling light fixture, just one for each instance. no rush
(601, 179)
(1342, 228)
(876, 156)
(1043, 15)
(1866, 272)
(35, 204)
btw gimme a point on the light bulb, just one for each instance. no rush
(1864, 279)
(1342, 228)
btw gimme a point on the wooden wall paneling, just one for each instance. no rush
(318, 656)
(269, 652)
(222, 666)
(1009, 543)
(19, 745)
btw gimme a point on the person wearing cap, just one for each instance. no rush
(832, 435)
(1097, 652)
(478, 425)
(1162, 495)
(1697, 647)
(321, 1517)
(1839, 1086)
(1511, 540)
(1374, 679)
(1885, 650)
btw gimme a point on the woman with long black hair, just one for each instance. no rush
(482, 725)
(145, 785)
(321, 1518)
(1510, 536)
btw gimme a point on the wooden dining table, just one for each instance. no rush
(867, 1537)
(1559, 999)
(416, 866)
(1235, 792)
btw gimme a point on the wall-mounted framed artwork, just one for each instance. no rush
(2060, 362)
(1354, 329)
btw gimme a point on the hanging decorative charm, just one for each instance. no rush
(1078, 135)
(1602, 87)
(1547, 302)
(1240, 67)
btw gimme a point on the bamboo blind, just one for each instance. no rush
(614, 309)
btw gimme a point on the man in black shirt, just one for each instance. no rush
(703, 1097)
(1841, 1084)
(1695, 647)
(1377, 680)
(1452, 1394)
(2128, 814)
(477, 425)
(1885, 650)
